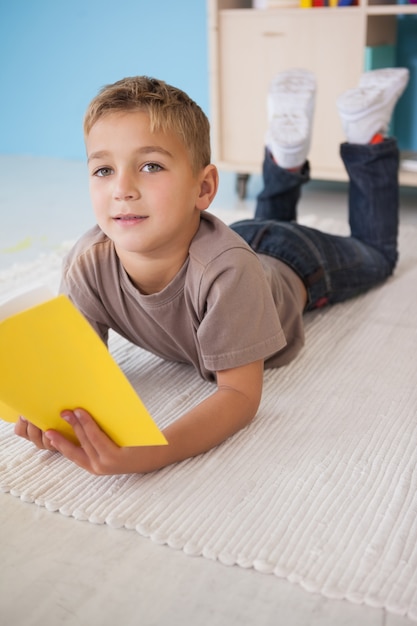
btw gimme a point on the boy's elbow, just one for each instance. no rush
(243, 391)
(249, 408)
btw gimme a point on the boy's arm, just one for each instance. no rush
(222, 414)
(229, 409)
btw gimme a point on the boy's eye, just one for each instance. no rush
(151, 168)
(103, 171)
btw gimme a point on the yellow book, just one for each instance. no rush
(52, 359)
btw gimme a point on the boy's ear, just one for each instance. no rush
(209, 182)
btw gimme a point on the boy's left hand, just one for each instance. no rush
(97, 453)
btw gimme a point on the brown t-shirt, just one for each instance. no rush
(225, 308)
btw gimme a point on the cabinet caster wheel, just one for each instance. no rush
(241, 185)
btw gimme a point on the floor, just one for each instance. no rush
(56, 570)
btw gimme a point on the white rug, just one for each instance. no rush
(320, 489)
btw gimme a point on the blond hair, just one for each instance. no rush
(169, 110)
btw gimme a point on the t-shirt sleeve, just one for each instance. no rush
(74, 284)
(240, 323)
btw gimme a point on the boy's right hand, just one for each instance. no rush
(32, 433)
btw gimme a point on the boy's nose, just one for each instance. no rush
(125, 188)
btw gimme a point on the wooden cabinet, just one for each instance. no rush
(249, 46)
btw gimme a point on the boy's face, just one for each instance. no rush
(145, 195)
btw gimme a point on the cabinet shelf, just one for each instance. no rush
(368, 9)
(390, 6)
(391, 9)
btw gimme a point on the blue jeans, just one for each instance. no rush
(333, 268)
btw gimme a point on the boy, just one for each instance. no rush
(178, 282)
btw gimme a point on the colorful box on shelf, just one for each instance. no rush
(308, 4)
(304, 4)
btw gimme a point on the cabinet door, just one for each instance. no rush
(255, 45)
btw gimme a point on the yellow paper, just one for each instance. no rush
(51, 359)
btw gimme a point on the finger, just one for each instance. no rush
(20, 427)
(96, 451)
(92, 439)
(32, 433)
(47, 443)
(70, 450)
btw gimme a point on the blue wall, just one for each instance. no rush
(56, 54)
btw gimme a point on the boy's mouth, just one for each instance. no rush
(129, 218)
